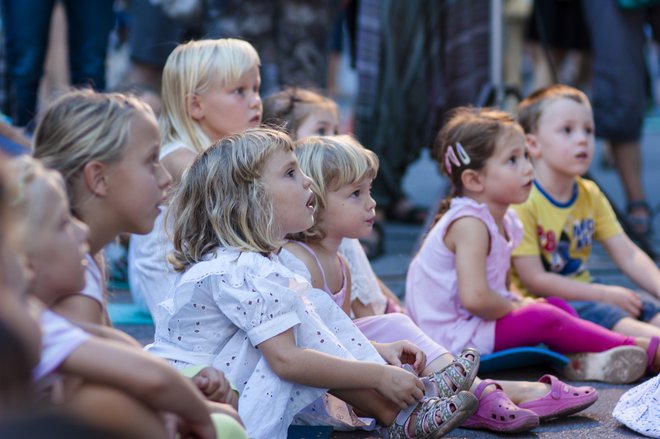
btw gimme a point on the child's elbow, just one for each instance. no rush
(283, 365)
(473, 302)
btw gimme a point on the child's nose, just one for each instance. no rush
(307, 182)
(164, 177)
(371, 203)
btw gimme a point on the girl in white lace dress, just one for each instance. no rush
(237, 305)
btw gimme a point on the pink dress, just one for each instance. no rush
(383, 328)
(432, 288)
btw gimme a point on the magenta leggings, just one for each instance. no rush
(555, 324)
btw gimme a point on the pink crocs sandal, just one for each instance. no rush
(561, 400)
(498, 413)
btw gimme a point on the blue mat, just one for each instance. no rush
(128, 314)
(309, 432)
(522, 357)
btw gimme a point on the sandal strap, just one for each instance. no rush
(482, 386)
(457, 372)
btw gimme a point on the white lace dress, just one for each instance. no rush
(221, 308)
(639, 408)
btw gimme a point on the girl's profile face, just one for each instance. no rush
(137, 183)
(57, 245)
(230, 109)
(323, 121)
(349, 211)
(289, 191)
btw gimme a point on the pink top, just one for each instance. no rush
(340, 295)
(432, 287)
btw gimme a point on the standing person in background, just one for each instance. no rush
(620, 95)
(27, 24)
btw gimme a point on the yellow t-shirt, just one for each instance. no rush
(562, 234)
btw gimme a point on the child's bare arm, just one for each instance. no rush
(469, 239)
(542, 283)
(80, 308)
(634, 263)
(317, 369)
(146, 378)
(109, 333)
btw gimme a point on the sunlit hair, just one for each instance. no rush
(478, 130)
(81, 126)
(289, 108)
(222, 201)
(192, 69)
(332, 162)
(531, 108)
(25, 172)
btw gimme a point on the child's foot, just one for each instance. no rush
(432, 417)
(454, 377)
(498, 413)
(619, 365)
(561, 399)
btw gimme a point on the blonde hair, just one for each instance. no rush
(221, 200)
(531, 108)
(477, 130)
(332, 162)
(191, 69)
(83, 125)
(289, 108)
(26, 171)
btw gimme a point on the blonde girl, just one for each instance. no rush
(237, 305)
(109, 384)
(457, 288)
(210, 90)
(342, 171)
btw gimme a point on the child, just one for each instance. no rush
(107, 148)
(302, 113)
(565, 213)
(108, 384)
(237, 305)
(210, 90)
(457, 287)
(342, 171)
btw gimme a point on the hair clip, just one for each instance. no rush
(452, 157)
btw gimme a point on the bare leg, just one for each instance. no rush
(369, 403)
(635, 328)
(628, 159)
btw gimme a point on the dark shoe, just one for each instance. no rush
(639, 223)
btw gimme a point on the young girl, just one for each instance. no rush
(341, 171)
(210, 90)
(108, 384)
(237, 305)
(457, 285)
(302, 113)
(106, 146)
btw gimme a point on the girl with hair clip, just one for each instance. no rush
(457, 287)
(236, 304)
(341, 171)
(110, 385)
(302, 113)
(210, 90)
(106, 146)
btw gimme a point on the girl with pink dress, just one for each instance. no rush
(342, 171)
(457, 287)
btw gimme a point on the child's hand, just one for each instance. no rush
(401, 352)
(400, 386)
(215, 386)
(624, 298)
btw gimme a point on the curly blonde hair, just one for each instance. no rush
(331, 162)
(221, 200)
(193, 68)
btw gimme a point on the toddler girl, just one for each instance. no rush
(342, 171)
(106, 146)
(237, 305)
(457, 288)
(302, 113)
(210, 90)
(108, 384)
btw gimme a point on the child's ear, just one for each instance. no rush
(472, 180)
(533, 145)
(195, 107)
(94, 177)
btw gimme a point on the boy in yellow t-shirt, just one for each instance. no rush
(565, 213)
